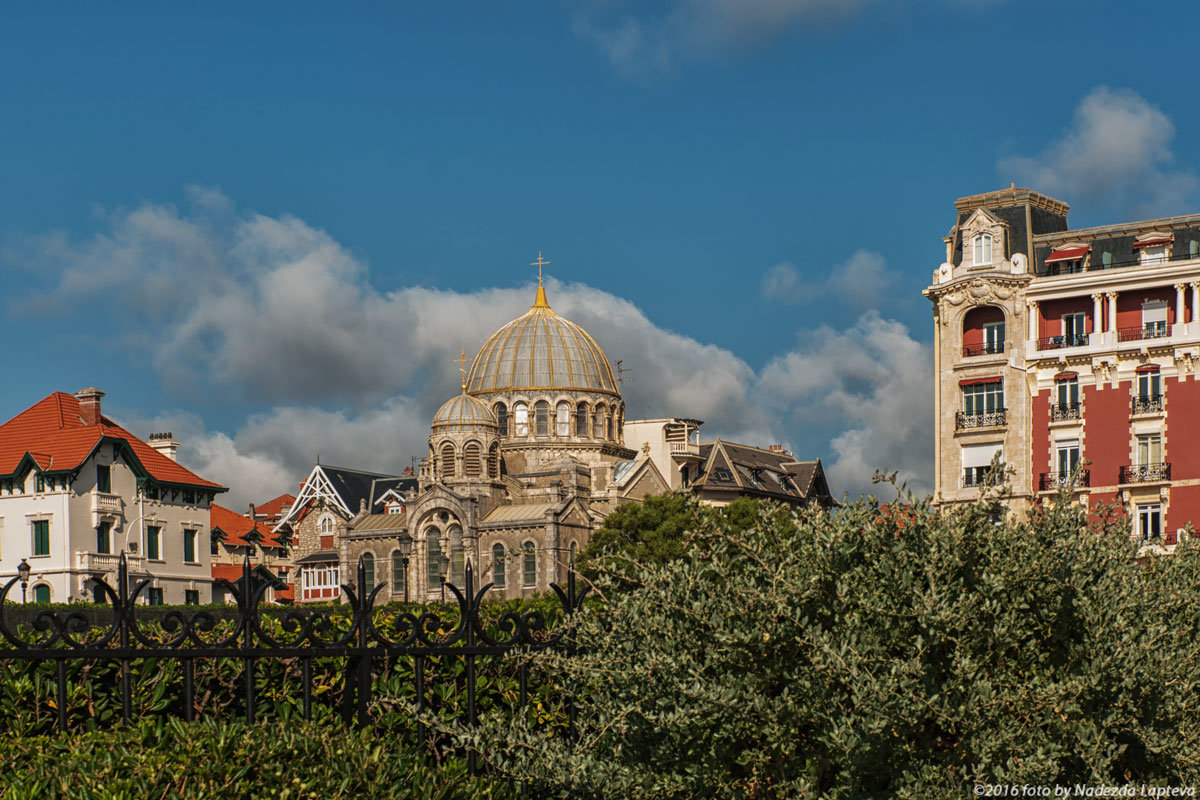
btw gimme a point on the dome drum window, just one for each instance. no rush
(520, 419)
(472, 464)
(562, 419)
(448, 460)
(541, 415)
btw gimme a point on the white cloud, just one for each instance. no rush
(1116, 154)
(275, 311)
(637, 44)
(859, 282)
(872, 386)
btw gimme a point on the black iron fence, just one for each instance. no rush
(135, 633)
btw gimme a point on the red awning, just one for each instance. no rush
(1161, 240)
(1067, 254)
(971, 381)
(1147, 368)
(1066, 376)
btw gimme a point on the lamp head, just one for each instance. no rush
(23, 570)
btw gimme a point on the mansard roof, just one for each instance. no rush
(52, 436)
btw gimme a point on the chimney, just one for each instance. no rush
(165, 444)
(89, 405)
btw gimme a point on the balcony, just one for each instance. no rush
(1142, 333)
(1065, 412)
(1146, 473)
(1095, 265)
(103, 503)
(964, 421)
(1148, 404)
(1059, 342)
(106, 562)
(684, 449)
(986, 349)
(976, 477)
(1053, 481)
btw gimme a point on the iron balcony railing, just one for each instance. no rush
(984, 419)
(1065, 412)
(1062, 340)
(1148, 404)
(1146, 473)
(986, 349)
(974, 477)
(1063, 480)
(1144, 332)
(1093, 265)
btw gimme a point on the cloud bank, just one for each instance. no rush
(276, 312)
(1116, 155)
(859, 282)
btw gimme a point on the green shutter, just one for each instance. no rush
(41, 538)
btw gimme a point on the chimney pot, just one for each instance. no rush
(89, 405)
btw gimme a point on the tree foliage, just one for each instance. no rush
(877, 651)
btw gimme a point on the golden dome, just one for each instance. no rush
(465, 412)
(538, 351)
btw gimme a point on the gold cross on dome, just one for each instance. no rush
(462, 361)
(541, 262)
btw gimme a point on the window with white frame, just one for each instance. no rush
(1154, 319)
(982, 249)
(1149, 522)
(983, 398)
(320, 581)
(326, 524)
(1154, 254)
(1149, 385)
(1149, 449)
(977, 461)
(1067, 391)
(993, 337)
(1067, 456)
(1074, 329)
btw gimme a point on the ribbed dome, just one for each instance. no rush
(541, 350)
(465, 412)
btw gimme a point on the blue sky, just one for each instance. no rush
(270, 226)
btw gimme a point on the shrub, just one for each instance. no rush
(210, 760)
(892, 651)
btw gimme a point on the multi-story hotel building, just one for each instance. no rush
(1070, 357)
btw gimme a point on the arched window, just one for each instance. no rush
(598, 422)
(498, 565)
(433, 559)
(326, 524)
(398, 576)
(530, 565)
(457, 556)
(472, 466)
(983, 249)
(581, 419)
(447, 460)
(541, 417)
(41, 593)
(501, 418)
(521, 419)
(494, 460)
(368, 560)
(562, 419)
(983, 331)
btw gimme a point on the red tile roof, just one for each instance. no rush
(275, 506)
(53, 434)
(235, 527)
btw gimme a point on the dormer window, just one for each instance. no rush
(983, 249)
(1066, 259)
(1153, 248)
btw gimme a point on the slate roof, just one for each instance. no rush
(752, 471)
(381, 522)
(51, 436)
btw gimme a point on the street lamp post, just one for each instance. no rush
(406, 544)
(23, 570)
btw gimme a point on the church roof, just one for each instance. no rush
(464, 412)
(541, 350)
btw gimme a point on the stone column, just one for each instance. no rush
(1033, 320)
(1112, 311)
(1195, 299)
(1179, 287)
(1097, 319)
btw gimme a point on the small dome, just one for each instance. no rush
(465, 412)
(541, 350)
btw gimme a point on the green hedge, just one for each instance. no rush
(217, 760)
